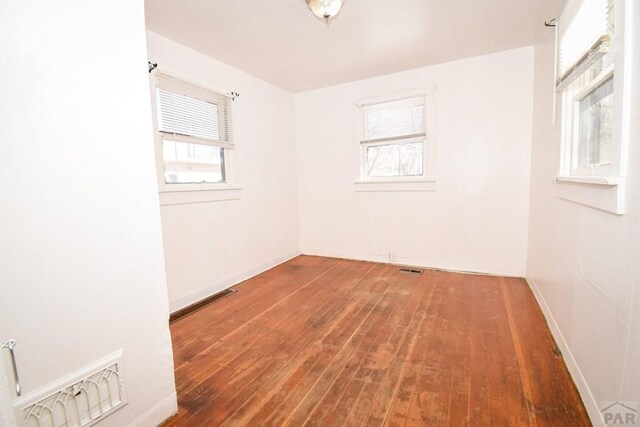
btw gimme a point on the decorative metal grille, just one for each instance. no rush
(81, 403)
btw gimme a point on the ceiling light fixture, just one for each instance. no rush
(326, 10)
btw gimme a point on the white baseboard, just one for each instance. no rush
(583, 387)
(227, 283)
(157, 415)
(493, 270)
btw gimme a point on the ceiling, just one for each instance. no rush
(282, 42)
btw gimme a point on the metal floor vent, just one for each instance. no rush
(190, 309)
(82, 401)
(410, 270)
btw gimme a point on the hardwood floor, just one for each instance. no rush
(322, 341)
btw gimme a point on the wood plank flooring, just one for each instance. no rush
(322, 341)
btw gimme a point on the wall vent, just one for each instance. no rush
(410, 270)
(79, 400)
(190, 309)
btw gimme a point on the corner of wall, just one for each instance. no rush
(228, 282)
(160, 413)
(574, 370)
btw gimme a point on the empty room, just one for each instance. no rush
(319, 213)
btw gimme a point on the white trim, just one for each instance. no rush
(428, 91)
(594, 84)
(399, 184)
(595, 180)
(574, 370)
(604, 168)
(481, 269)
(210, 190)
(424, 182)
(226, 283)
(601, 186)
(176, 196)
(200, 187)
(570, 128)
(163, 187)
(407, 139)
(172, 136)
(605, 194)
(160, 413)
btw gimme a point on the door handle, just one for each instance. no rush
(10, 345)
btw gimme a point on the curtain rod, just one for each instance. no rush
(232, 94)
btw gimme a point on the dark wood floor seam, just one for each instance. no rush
(524, 373)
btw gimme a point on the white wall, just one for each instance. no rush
(476, 220)
(584, 263)
(631, 383)
(7, 415)
(210, 246)
(81, 270)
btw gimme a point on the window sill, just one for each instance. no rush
(180, 196)
(593, 180)
(396, 185)
(603, 193)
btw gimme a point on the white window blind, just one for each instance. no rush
(190, 113)
(585, 28)
(394, 120)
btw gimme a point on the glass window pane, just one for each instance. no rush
(595, 124)
(186, 163)
(389, 120)
(388, 160)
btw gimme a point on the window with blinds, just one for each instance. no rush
(586, 79)
(393, 138)
(195, 127)
(586, 34)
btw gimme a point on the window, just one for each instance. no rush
(394, 143)
(593, 132)
(194, 124)
(596, 107)
(394, 159)
(586, 65)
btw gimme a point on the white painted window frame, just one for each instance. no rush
(600, 186)
(175, 194)
(608, 168)
(570, 128)
(424, 182)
